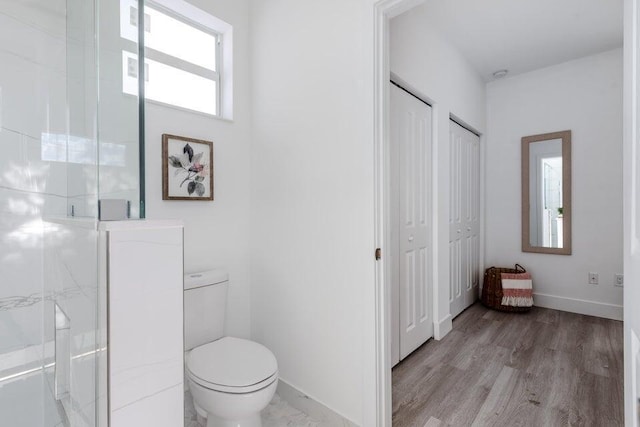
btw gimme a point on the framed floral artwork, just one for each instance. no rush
(187, 168)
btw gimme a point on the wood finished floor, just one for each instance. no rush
(542, 368)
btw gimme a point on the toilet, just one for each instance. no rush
(231, 379)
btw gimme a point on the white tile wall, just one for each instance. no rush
(33, 96)
(32, 43)
(47, 86)
(164, 409)
(40, 261)
(47, 16)
(22, 167)
(24, 405)
(145, 280)
(70, 265)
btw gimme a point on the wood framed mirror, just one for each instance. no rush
(546, 193)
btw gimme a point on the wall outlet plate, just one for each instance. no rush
(593, 278)
(618, 279)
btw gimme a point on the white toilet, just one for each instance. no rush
(231, 379)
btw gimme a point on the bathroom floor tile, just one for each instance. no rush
(278, 414)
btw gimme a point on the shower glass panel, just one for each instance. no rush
(70, 137)
(120, 112)
(33, 187)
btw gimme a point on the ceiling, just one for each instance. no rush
(524, 35)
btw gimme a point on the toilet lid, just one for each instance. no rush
(233, 362)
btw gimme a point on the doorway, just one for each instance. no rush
(385, 11)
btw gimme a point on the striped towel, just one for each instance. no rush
(517, 289)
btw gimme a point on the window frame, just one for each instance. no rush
(188, 14)
(184, 65)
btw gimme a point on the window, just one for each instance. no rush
(183, 55)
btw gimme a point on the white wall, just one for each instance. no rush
(216, 233)
(583, 95)
(312, 196)
(631, 214)
(433, 68)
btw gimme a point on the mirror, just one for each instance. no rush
(546, 193)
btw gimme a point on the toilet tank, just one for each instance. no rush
(205, 304)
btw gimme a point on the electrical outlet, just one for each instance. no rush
(618, 280)
(593, 278)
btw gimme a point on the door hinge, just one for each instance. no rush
(378, 254)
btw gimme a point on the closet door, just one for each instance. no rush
(464, 218)
(411, 206)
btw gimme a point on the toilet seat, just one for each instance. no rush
(232, 365)
(232, 389)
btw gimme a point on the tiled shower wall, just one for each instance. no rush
(45, 71)
(60, 143)
(32, 105)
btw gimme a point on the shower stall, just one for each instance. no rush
(71, 135)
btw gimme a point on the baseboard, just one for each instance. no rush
(443, 327)
(316, 410)
(573, 305)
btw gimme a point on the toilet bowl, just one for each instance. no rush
(231, 379)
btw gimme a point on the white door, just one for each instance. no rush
(410, 156)
(464, 218)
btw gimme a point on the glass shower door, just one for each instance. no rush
(70, 136)
(71, 259)
(48, 260)
(33, 172)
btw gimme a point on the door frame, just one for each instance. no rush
(384, 10)
(631, 166)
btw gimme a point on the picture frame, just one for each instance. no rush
(187, 168)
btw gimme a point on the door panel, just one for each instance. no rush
(464, 218)
(410, 156)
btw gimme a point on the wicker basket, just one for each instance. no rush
(492, 288)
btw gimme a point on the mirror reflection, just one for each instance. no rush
(546, 193)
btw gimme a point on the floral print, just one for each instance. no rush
(192, 167)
